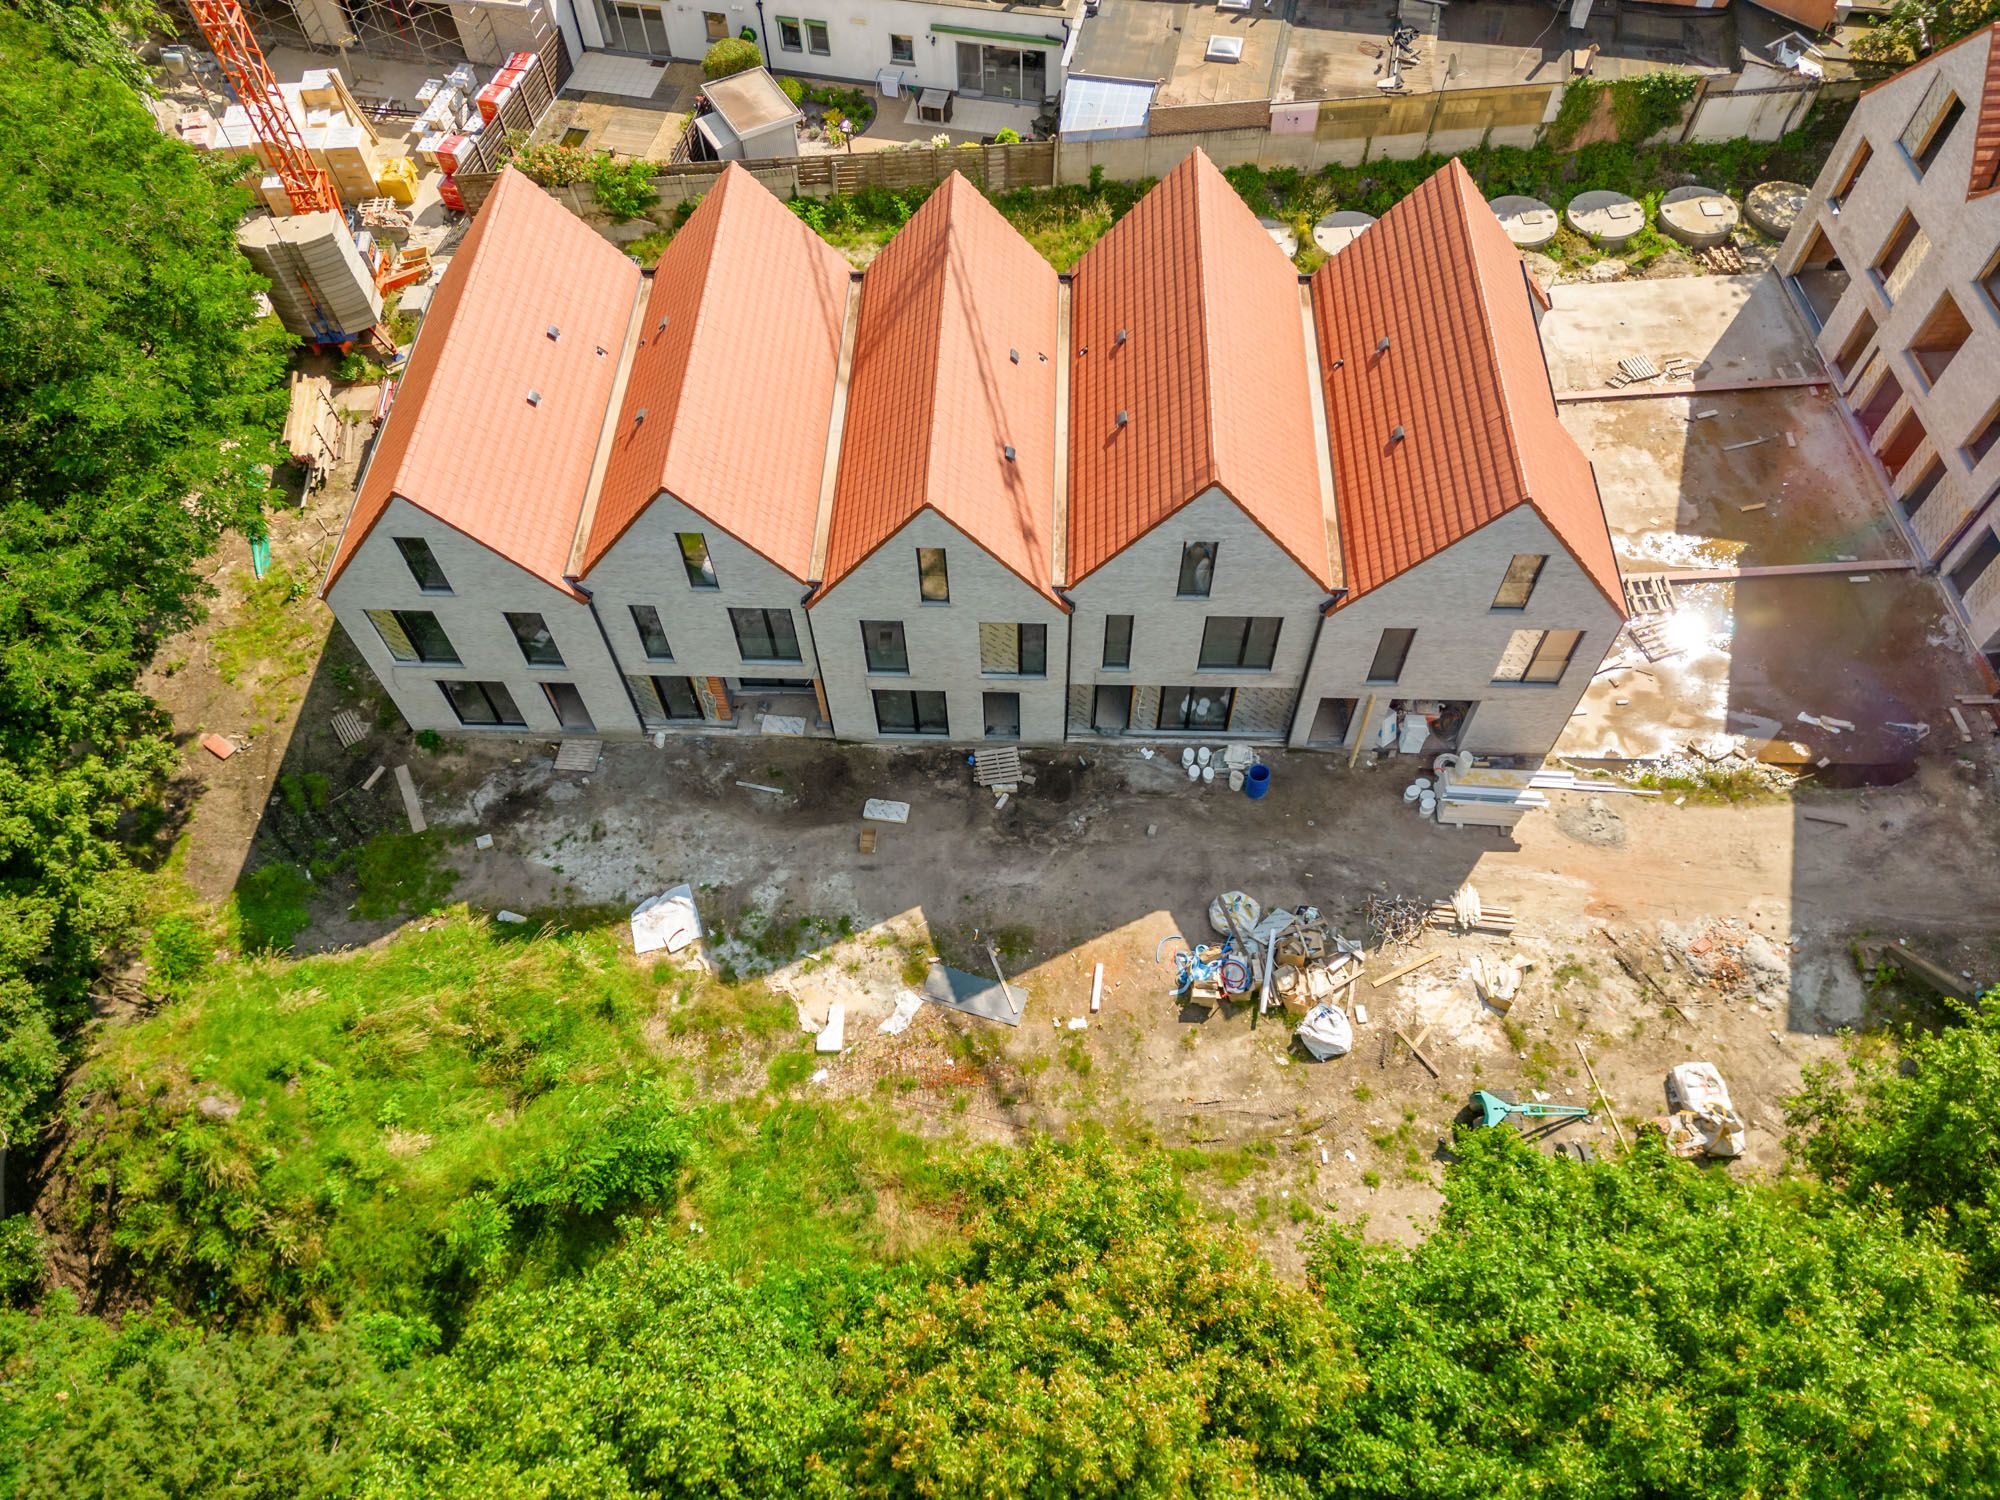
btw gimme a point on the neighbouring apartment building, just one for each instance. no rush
(1181, 493)
(1897, 257)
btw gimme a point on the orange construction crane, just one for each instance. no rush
(229, 36)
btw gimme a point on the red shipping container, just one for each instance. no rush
(451, 150)
(520, 62)
(491, 98)
(449, 195)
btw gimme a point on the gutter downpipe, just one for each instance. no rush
(590, 603)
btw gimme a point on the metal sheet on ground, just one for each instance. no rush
(973, 994)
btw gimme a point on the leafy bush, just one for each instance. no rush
(552, 165)
(1642, 107)
(1007, 135)
(624, 188)
(730, 55)
(23, 1258)
(270, 905)
(793, 89)
(178, 950)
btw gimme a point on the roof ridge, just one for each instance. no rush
(1204, 312)
(941, 286)
(701, 312)
(1461, 181)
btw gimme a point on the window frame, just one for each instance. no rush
(647, 635)
(1124, 662)
(868, 661)
(1508, 580)
(1192, 555)
(401, 619)
(1983, 439)
(986, 715)
(404, 545)
(1533, 672)
(825, 48)
(1383, 641)
(1024, 631)
(700, 575)
(739, 614)
(525, 638)
(909, 54)
(485, 691)
(1245, 639)
(797, 40)
(1189, 695)
(918, 699)
(657, 680)
(925, 580)
(1851, 177)
(1939, 112)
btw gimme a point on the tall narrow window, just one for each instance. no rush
(765, 634)
(414, 635)
(1905, 250)
(1930, 127)
(1197, 570)
(886, 649)
(694, 557)
(818, 41)
(1519, 584)
(1003, 716)
(790, 37)
(1537, 655)
(423, 565)
(538, 646)
(1117, 643)
(1239, 643)
(482, 704)
(1391, 651)
(933, 582)
(652, 634)
(1849, 177)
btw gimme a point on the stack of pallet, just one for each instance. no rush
(336, 130)
(1472, 795)
(313, 427)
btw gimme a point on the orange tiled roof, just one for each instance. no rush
(737, 386)
(1463, 376)
(462, 440)
(1815, 15)
(936, 395)
(1986, 142)
(1212, 375)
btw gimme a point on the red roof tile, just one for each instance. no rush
(1212, 375)
(1816, 15)
(738, 385)
(1463, 376)
(463, 441)
(1986, 142)
(936, 395)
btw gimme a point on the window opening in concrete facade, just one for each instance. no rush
(900, 711)
(1854, 347)
(1984, 439)
(1989, 283)
(1913, 500)
(933, 578)
(1014, 650)
(537, 642)
(694, 557)
(1391, 651)
(1111, 709)
(1003, 716)
(414, 635)
(1195, 708)
(1937, 343)
(1537, 656)
(1977, 561)
(1331, 721)
(483, 704)
(671, 698)
(652, 634)
(1850, 177)
(568, 705)
(883, 644)
(1901, 256)
(714, 25)
(1518, 586)
(1197, 570)
(1875, 410)
(765, 634)
(423, 565)
(1239, 643)
(1904, 441)
(1117, 643)
(1930, 127)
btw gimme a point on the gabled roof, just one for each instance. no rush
(1986, 139)
(463, 440)
(1462, 376)
(954, 363)
(1211, 376)
(737, 387)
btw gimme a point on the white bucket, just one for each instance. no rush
(1194, 771)
(1207, 774)
(1412, 792)
(1187, 756)
(1235, 781)
(1427, 804)
(1202, 755)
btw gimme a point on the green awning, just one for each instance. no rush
(998, 36)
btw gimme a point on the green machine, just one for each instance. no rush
(1493, 1109)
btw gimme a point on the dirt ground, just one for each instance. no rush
(1742, 327)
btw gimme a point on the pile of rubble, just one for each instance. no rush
(1726, 956)
(1723, 755)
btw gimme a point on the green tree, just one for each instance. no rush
(158, 1410)
(1914, 29)
(138, 399)
(1916, 1126)
(733, 54)
(1654, 1328)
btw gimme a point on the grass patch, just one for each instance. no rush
(1736, 784)
(398, 874)
(269, 642)
(269, 908)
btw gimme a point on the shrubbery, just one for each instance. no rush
(733, 54)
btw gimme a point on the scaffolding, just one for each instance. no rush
(399, 30)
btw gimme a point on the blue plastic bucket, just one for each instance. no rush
(1256, 782)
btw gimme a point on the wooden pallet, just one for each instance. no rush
(1649, 594)
(998, 767)
(1649, 634)
(579, 755)
(349, 727)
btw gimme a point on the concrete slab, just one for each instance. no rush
(1743, 327)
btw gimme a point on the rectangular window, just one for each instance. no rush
(1850, 177)
(898, 711)
(1014, 650)
(1912, 500)
(1989, 283)
(666, 697)
(1390, 653)
(1117, 643)
(790, 37)
(414, 635)
(1977, 561)
(1930, 127)
(566, 702)
(818, 42)
(1984, 440)
(902, 49)
(538, 646)
(1537, 655)
(765, 634)
(694, 557)
(483, 703)
(715, 25)
(933, 581)
(1937, 343)
(1519, 584)
(1901, 256)
(1003, 716)
(423, 566)
(1239, 643)
(1197, 570)
(1111, 710)
(652, 634)
(883, 641)
(1196, 708)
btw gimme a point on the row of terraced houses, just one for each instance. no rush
(1181, 492)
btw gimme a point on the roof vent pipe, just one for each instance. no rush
(640, 416)
(1396, 435)
(1124, 417)
(1014, 355)
(554, 332)
(1383, 347)
(1123, 335)
(534, 398)
(1338, 363)
(1010, 453)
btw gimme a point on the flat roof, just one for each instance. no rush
(750, 101)
(1094, 105)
